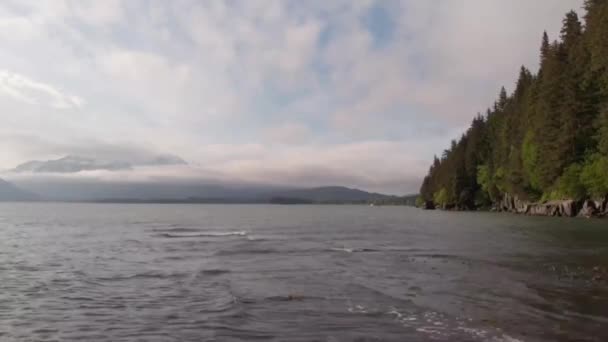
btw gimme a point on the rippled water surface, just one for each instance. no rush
(105, 272)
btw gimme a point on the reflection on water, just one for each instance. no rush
(101, 272)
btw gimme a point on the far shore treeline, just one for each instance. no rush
(548, 139)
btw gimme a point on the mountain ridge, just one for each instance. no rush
(94, 191)
(10, 192)
(331, 193)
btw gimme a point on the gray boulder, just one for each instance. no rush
(569, 208)
(588, 209)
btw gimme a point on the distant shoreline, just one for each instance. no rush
(208, 201)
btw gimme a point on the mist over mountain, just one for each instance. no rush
(91, 190)
(10, 192)
(163, 178)
(73, 164)
(163, 159)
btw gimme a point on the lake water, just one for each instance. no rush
(107, 272)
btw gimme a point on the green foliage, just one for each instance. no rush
(602, 134)
(594, 176)
(420, 202)
(548, 138)
(441, 198)
(530, 160)
(595, 36)
(484, 178)
(569, 185)
(499, 179)
(481, 199)
(488, 182)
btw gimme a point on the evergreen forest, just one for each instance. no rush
(548, 138)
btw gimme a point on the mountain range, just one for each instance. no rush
(331, 194)
(186, 193)
(34, 180)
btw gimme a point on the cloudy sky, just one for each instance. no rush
(358, 93)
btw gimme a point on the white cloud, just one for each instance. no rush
(299, 47)
(262, 89)
(156, 84)
(29, 91)
(97, 13)
(288, 133)
(362, 164)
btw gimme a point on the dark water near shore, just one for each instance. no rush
(104, 272)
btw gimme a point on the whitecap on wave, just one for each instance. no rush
(438, 326)
(204, 234)
(352, 250)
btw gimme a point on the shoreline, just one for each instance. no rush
(556, 208)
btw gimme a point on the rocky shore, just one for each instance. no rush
(566, 208)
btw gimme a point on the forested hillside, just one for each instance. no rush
(546, 140)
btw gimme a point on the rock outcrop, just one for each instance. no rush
(596, 208)
(428, 205)
(589, 209)
(565, 208)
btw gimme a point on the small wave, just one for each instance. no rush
(486, 335)
(357, 309)
(257, 238)
(78, 299)
(215, 271)
(27, 268)
(177, 230)
(292, 297)
(441, 326)
(145, 275)
(246, 251)
(352, 250)
(205, 234)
